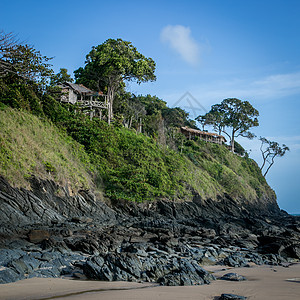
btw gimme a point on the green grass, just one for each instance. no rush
(30, 146)
(240, 177)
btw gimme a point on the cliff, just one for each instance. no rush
(125, 166)
(81, 198)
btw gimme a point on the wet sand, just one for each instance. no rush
(263, 283)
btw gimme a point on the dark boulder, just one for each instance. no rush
(37, 236)
(233, 277)
(231, 297)
(8, 275)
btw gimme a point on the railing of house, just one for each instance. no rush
(92, 103)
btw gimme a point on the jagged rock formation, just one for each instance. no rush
(46, 232)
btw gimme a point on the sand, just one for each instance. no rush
(263, 283)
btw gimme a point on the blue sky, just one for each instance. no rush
(213, 49)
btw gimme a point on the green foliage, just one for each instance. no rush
(110, 64)
(239, 149)
(19, 95)
(239, 116)
(238, 176)
(61, 77)
(118, 59)
(22, 62)
(62, 144)
(30, 146)
(49, 167)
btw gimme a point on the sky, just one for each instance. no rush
(205, 51)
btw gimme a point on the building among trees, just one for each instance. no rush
(191, 133)
(87, 99)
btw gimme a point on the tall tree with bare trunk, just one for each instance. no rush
(112, 63)
(269, 151)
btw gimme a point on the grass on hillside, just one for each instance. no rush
(129, 166)
(29, 145)
(240, 177)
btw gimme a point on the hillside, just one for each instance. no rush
(124, 164)
(85, 199)
(31, 146)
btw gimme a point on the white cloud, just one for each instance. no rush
(267, 88)
(278, 85)
(179, 38)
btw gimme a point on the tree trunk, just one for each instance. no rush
(140, 126)
(110, 101)
(232, 141)
(271, 164)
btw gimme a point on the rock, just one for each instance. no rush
(233, 277)
(82, 220)
(85, 245)
(94, 268)
(255, 258)
(7, 255)
(20, 267)
(292, 251)
(37, 236)
(46, 256)
(235, 260)
(8, 275)
(161, 241)
(186, 273)
(208, 261)
(79, 275)
(231, 297)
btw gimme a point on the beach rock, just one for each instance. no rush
(235, 260)
(159, 242)
(8, 275)
(188, 273)
(233, 277)
(208, 261)
(231, 297)
(36, 236)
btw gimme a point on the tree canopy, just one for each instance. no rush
(61, 77)
(234, 115)
(108, 65)
(22, 61)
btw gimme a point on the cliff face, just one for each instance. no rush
(48, 204)
(47, 232)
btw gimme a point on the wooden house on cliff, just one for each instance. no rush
(84, 97)
(191, 133)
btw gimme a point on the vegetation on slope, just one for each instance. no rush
(31, 146)
(41, 136)
(129, 165)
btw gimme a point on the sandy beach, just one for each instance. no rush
(263, 283)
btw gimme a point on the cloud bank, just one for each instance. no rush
(179, 38)
(264, 89)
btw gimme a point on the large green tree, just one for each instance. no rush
(22, 61)
(112, 63)
(232, 117)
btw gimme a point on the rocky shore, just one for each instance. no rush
(46, 232)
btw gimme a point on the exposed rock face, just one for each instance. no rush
(48, 233)
(20, 209)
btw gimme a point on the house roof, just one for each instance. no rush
(199, 132)
(80, 88)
